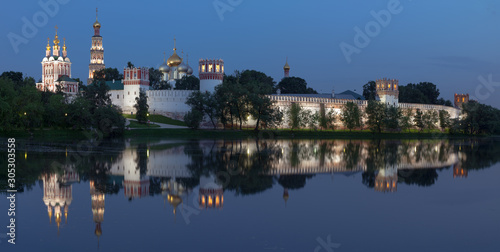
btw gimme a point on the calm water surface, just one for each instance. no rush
(271, 195)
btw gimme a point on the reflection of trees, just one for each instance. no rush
(141, 160)
(293, 181)
(420, 177)
(479, 154)
(95, 165)
(352, 154)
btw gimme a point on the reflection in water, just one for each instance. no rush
(174, 170)
(57, 194)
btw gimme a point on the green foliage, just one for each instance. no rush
(130, 65)
(294, 85)
(392, 118)
(351, 116)
(370, 90)
(141, 106)
(418, 120)
(193, 119)
(108, 74)
(251, 76)
(423, 92)
(375, 112)
(444, 119)
(187, 83)
(406, 119)
(430, 119)
(293, 114)
(260, 106)
(480, 119)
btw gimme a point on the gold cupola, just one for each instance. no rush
(96, 23)
(286, 67)
(174, 60)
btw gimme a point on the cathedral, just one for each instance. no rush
(56, 69)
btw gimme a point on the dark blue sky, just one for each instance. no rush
(449, 43)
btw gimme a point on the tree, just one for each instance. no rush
(480, 118)
(193, 119)
(248, 76)
(370, 90)
(423, 92)
(417, 120)
(294, 85)
(351, 116)
(261, 106)
(108, 74)
(141, 106)
(155, 78)
(130, 65)
(375, 112)
(188, 83)
(322, 119)
(210, 107)
(406, 122)
(392, 118)
(293, 114)
(444, 119)
(429, 119)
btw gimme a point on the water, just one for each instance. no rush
(273, 195)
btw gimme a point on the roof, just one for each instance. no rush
(66, 78)
(347, 95)
(118, 85)
(355, 96)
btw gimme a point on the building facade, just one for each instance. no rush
(56, 69)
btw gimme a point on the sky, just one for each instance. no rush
(333, 44)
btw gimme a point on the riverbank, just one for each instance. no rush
(65, 134)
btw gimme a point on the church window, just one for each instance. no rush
(210, 68)
(217, 68)
(203, 68)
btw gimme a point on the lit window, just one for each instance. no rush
(463, 99)
(217, 68)
(389, 86)
(210, 68)
(203, 68)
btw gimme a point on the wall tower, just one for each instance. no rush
(211, 74)
(460, 99)
(388, 91)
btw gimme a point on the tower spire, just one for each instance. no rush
(48, 44)
(64, 46)
(175, 44)
(96, 14)
(164, 56)
(286, 68)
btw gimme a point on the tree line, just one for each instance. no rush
(23, 106)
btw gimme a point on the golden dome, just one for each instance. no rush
(96, 23)
(48, 44)
(286, 67)
(174, 60)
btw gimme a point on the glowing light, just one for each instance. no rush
(203, 200)
(210, 201)
(24, 113)
(25, 155)
(65, 114)
(147, 152)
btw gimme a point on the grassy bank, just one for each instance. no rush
(137, 125)
(160, 119)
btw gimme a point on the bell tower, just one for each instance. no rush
(387, 91)
(96, 51)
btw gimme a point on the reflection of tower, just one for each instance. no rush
(97, 208)
(387, 180)
(57, 194)
(174, 192)
(285, 195)
(458, 171)
(135, 184)
(211, 195)
(387, 91)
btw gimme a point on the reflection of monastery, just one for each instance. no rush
(170, 165)
(56, 70)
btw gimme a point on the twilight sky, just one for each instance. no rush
(449, 43)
